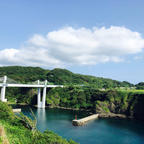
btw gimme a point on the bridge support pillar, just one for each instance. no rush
(44, 95)
(39, 103)
(3, 90)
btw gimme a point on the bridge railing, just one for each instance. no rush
(12, 81)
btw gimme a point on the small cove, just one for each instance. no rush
(101, 131)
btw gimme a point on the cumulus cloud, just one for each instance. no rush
(70, 46)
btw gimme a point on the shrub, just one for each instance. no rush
(6, 112)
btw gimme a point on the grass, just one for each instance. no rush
(133, 91)
(17, 134)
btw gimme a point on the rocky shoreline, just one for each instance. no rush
(113, 115)
(101, 115)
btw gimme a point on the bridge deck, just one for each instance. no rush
(30, 85)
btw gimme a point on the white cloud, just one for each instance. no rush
(138, 57)
(70, 46)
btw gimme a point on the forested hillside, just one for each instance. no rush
(58, 76)
(140, 85)
(24, 74)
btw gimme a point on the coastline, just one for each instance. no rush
(101, 115)
(113, 115)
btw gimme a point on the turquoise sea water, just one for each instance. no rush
(100, 131)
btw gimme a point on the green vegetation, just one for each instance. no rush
(140, 85)
(59, 76)
(23, 74)
(80, 92)
(120, 102)
(19, 129)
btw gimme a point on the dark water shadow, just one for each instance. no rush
(136, 126)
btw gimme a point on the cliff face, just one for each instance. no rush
(130, 104)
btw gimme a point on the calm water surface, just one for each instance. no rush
(101, 131)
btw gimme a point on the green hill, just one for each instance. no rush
(58, 76)
(140, 85)
(63, 76)
(23, 74)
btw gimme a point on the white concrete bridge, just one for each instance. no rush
(39, 85)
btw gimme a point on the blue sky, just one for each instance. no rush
(30, 26)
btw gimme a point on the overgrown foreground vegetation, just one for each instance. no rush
(21, 130)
